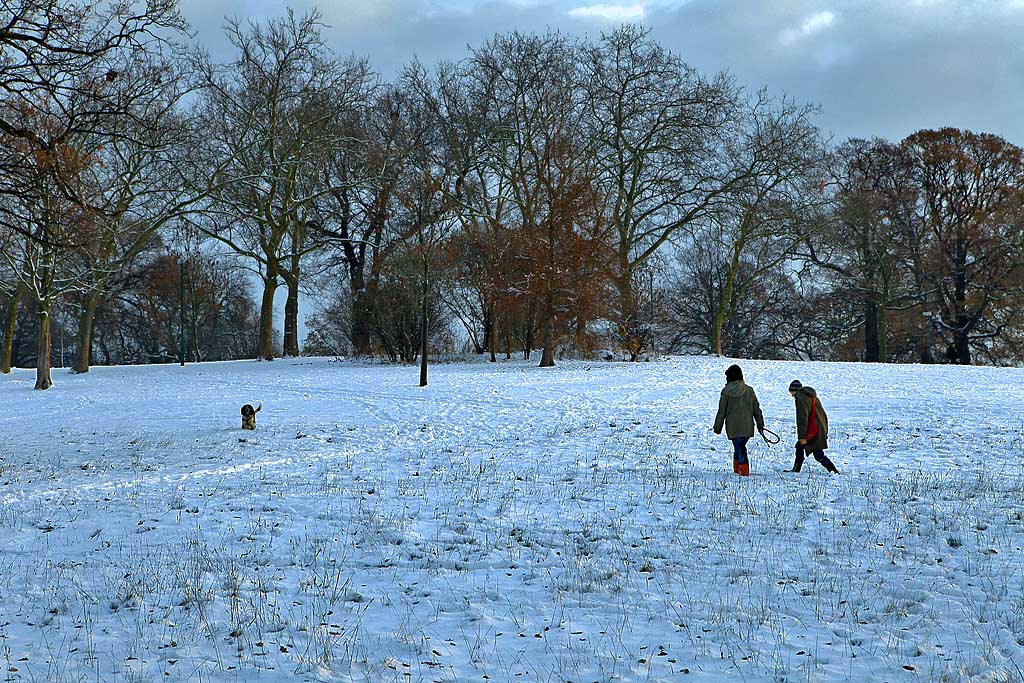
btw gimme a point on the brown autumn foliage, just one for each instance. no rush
(220, 319)
(971, 210)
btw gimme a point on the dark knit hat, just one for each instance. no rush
(733, 373)
(795, 385)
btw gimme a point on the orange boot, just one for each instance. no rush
(743, 470)
(735, 466)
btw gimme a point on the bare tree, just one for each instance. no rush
(484, 248)
(69, 57)
(359, 215)
(439, 163)
(47, 270)
(662, 130)
(135, 183)
(269, 115)
(782, 315)
(779, 162)
(64, 91)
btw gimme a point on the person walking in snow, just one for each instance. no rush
(738, 409)
(811, 427)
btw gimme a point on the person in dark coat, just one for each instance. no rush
(738, 409)
(811, 427)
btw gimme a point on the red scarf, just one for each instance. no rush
(812, 420)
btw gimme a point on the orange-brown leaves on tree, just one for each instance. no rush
(972, 211)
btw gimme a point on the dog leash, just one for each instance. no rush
(770, 437)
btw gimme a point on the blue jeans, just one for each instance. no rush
(739, 448)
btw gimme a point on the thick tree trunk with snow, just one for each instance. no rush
(83, 339)
(628, 323)
(43, 380)
(362, 314)
(265, 342)
(291, 318)
(717, 323)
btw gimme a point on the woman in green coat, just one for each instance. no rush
(738, 409)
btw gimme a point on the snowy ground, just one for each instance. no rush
(507, 523)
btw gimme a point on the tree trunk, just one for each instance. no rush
(963, 337)
(883, 333)
(717, 323)
(43, 380)
(492, 340)
(83, 350)
(291, 317)
(10, 324)
(582, 345)
(362, 317)
(424, 319)
(197, 355)
(872, 352)
(629, 332)
(488, 333)
(528, 346)
(424, 338)
(265, 343)
(292, 277)
(725, 301)
(963, 326)
(547, 358)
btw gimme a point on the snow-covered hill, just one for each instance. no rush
(507, 523)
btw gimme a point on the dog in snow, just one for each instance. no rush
(249, 416)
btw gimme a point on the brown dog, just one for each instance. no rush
(249, 415)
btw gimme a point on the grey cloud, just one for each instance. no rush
(879, 67)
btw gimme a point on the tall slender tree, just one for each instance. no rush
(662, 131)
(269, 114)
(766, 215)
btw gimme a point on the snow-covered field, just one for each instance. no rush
(507, 523)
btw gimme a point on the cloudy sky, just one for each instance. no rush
(876, 67)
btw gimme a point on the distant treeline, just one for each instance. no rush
(579, 197)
